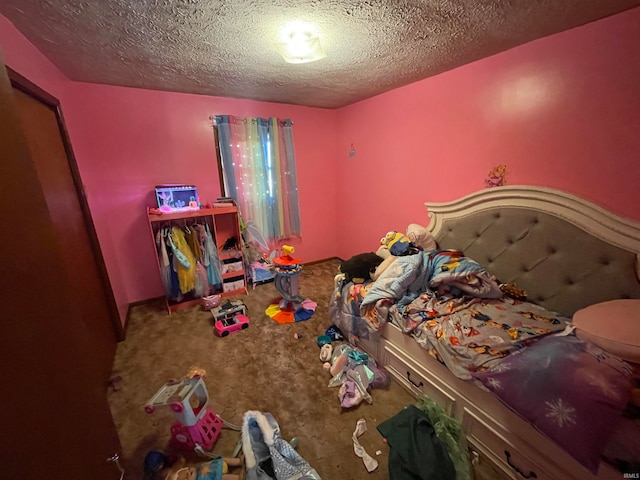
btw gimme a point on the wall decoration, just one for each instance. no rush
(352, 151)
(497, 176)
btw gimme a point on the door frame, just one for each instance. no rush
(26, 86)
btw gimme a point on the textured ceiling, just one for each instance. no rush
(226, 48)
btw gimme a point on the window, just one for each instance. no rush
(257, 165)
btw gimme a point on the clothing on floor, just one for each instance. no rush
(369, 462)
(267, 455)
(449, 431)
(415, 453)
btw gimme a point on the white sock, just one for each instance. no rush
(369, 462)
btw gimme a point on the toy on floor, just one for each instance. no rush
(217, 469)
(356, 374)
(230, 317)
(230, 324)
(211, 301)
(292, 307)
(268, 455)
(228, 308)
(196, 423)
(287, 282)
(155, 463)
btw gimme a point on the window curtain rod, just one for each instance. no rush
(242, 119)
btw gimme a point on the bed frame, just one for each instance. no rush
(522, 234)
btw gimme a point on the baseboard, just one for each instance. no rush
(126, 324)
(161, 299)
(323, 260)
(136, 304)
(144, 302)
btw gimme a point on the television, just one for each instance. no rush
(177, 198)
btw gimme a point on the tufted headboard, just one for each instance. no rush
(566, 252)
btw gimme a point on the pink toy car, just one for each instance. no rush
(230, 324)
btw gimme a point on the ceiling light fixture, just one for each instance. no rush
(299, 44)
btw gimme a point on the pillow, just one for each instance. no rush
(571, 390)
(613, 326)
(421, 237)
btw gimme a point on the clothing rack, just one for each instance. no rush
(220, 272)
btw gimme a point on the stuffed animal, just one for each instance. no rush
(397, 243)
(417, 238)
(357, 269)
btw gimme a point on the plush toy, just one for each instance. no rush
(396, 242)
(216, 469)
(417, 238)
(357, 269)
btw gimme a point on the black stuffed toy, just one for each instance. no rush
(357, 269)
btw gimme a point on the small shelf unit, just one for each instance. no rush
(224, 224)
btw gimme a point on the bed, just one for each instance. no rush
(566, 254)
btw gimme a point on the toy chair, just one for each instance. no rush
(196, 423)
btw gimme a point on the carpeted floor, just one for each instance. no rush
(262, 368)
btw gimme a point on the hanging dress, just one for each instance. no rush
(202, 278)
(212, 261)
(191, 237)
(202, 281)
(186, 265)
(163, 260)
(176, 296)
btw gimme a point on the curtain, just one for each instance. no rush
(259, 172)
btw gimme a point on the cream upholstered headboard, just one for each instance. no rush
(566, 252)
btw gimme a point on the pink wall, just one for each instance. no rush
(129, 140)
(563, 112)
(24, 58)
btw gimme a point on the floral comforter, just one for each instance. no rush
(455, 309)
